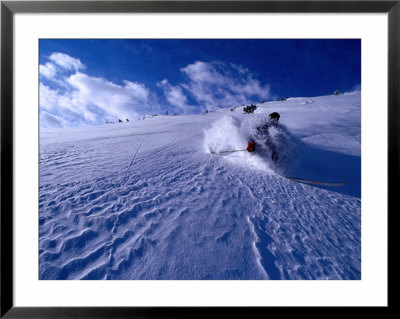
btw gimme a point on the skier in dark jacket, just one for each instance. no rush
(263, 131)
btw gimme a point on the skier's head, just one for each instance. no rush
(274, 116)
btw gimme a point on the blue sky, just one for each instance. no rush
(89, 82)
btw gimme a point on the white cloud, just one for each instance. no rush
(114, 99)
(84, 100)
(80, 99)
(137, 90)
(48, 70)
(60, 64)
(202, 72)
(48, 97)
(66, 62)
(174, 95)
(48, 120)
(60, 109)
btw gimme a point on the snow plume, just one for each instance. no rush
(227, 134)
(224, 135)
(222, 85)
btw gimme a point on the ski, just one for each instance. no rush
(230, 151)
(309, 181)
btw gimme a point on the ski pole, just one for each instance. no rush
(230, 151)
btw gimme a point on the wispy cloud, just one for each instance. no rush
(210, 85)
(222, 84)
(174, 95)
(66, 62)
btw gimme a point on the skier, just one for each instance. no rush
(264, 134)
(263, 131)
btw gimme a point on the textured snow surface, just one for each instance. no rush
(147, 200)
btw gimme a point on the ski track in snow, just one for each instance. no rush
(146, 201)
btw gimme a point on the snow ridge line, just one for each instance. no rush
(134, 156)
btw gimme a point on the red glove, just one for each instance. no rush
(251, 147)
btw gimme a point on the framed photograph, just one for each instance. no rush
(171, 158)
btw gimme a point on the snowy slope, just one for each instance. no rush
(147, 200)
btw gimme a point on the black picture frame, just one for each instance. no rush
(9, 8)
